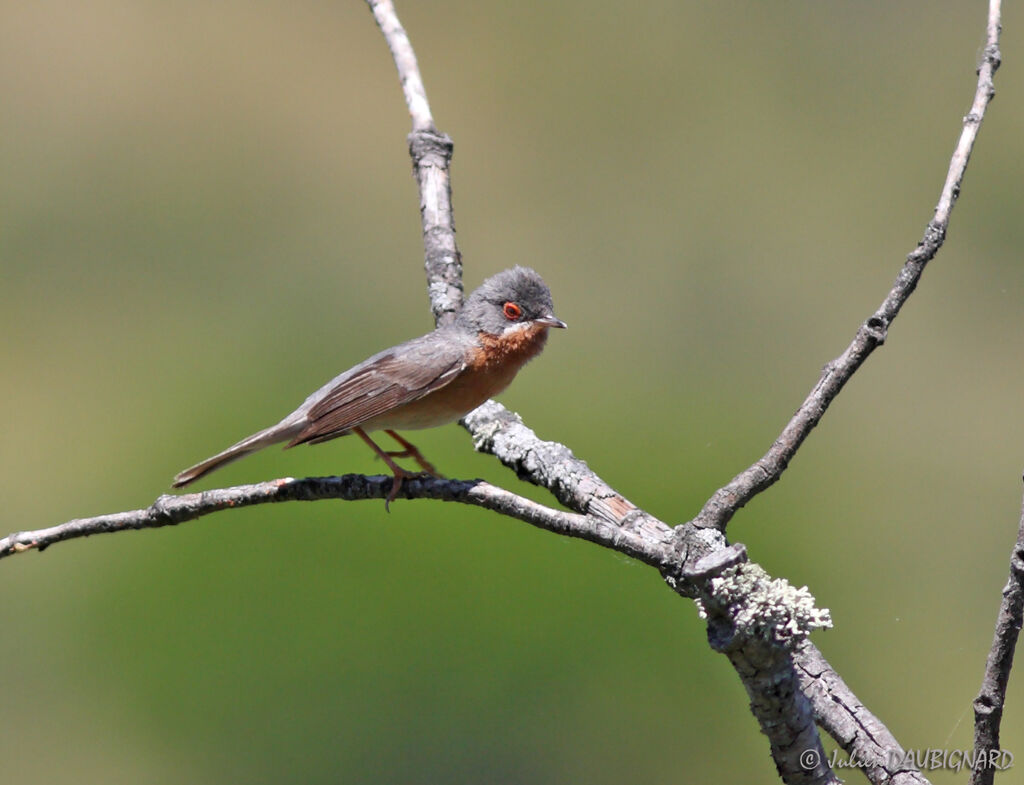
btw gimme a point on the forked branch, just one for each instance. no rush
(790, 684)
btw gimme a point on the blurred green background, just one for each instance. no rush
(206, 211)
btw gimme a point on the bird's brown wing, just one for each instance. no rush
(382, 383)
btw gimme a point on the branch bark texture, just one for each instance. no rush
(170, 510)
(431, 153)
(857, 731)
(760, 624)
(988, 706)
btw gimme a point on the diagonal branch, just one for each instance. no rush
(988, 706)
(726, 501)
(860, 733)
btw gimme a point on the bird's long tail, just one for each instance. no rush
(284, 431)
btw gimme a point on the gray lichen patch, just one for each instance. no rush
(762, 607)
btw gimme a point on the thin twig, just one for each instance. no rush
(649, 541)
(405, 61)
(431, 153)
(726, 501)
(988, 706)
(171, 510)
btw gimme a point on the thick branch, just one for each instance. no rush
(764, 665)
(757, 622)
(551, 465)
(988, 706)
(725, 502)
(780, 704)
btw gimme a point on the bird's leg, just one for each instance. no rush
(397, 471)
(410, 451)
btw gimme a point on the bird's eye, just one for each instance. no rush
(512, 311)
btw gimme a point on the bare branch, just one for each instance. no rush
(988, 706)
(765, 668)
(764, 664)
(405, 60)
(790, 684)
(550, 465)
(860, 733)
(431, 153)
(553, 466)
(171, 510)
(725, 502)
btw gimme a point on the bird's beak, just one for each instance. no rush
(551, 321)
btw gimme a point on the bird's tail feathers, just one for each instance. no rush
(283, 431)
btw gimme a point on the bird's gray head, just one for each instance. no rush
(507, 302)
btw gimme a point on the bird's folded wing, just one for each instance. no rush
(384, 382)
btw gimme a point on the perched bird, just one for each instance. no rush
(422, 383)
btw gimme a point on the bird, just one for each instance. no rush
(429, 381)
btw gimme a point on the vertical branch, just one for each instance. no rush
(431, 153)
(405, 61)
(988, 706)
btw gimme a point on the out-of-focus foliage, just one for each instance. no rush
(206, 212)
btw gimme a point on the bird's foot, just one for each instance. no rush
(410, 451)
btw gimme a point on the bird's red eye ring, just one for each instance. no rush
(512, 311)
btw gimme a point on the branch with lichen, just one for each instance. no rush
(761, 624)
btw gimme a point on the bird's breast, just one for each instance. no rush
(490, 368)
(494, 363)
